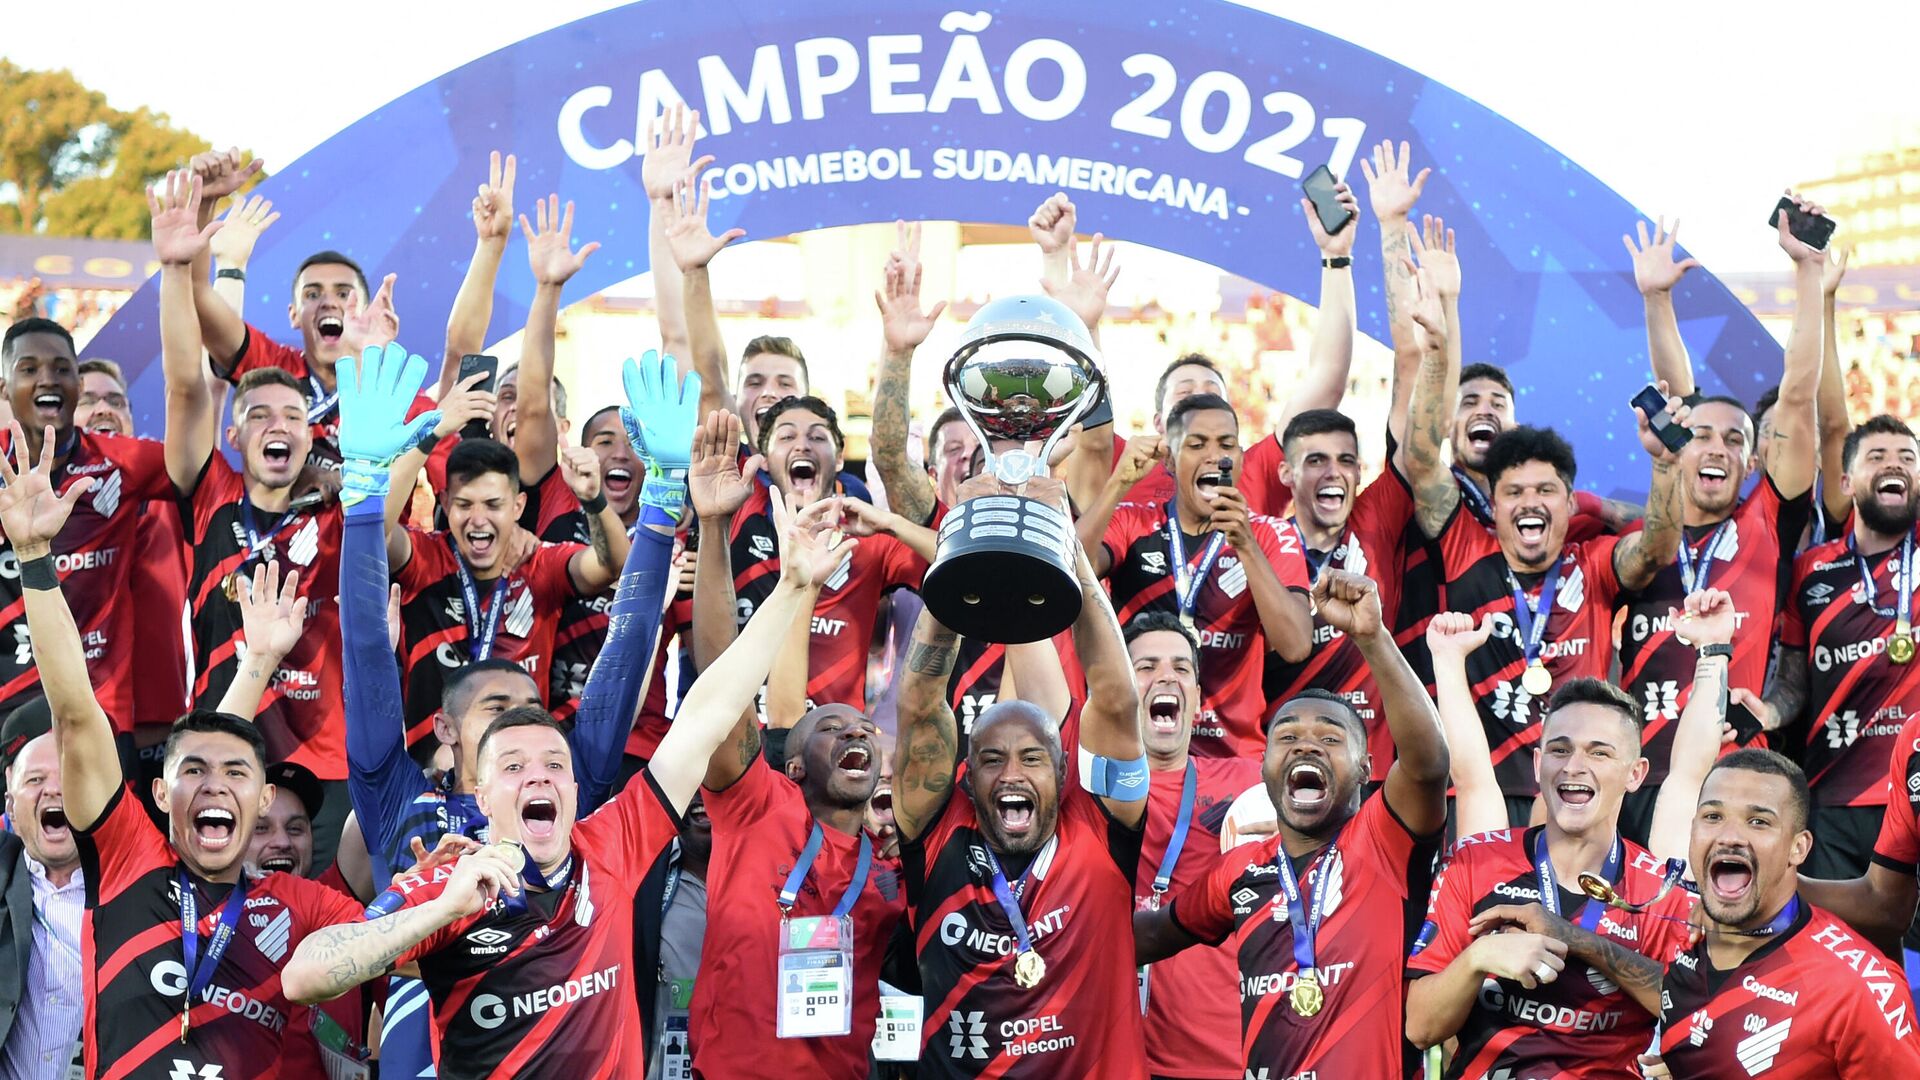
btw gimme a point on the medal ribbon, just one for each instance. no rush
(200, 968)
(1781, 921)
(791, 890)
(1315, 560)
(321, 402)
(1009, 896)
(1187, 581)
(1529, 622)
(1163, 877)
(1306, 923)
(1550, 887)
(257, 538)
(1696, 579)
(481, 630)
(1903, 581)
(1476, 500)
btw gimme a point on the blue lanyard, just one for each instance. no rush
(322, 402)
(1187, 581)
(1781, 921)
(1305, 919)
(1010, 896)
(1819, 514)
(1315, 560)
(481, 630)
(1903, 581)
(1696, 579)
(791, 890)
(1532, 623)
(1163, 878)
(1476, 500)
(1550, 887)
(200, 968)
(257, 538)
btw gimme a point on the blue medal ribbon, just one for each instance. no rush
(257, 538)
(1010, 896)
(790, 891)
(1305, 917)
(1476, 500)
(200, 968)
(1529, 622)
(1696, 578)
(1187, 581)
(1550, 886)
(320, 403)
(1903, 581)
(481, 629)
(1316, 560)
(1163, 877)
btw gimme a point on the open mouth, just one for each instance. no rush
(1016, 811)
(1480, 434)
(1575, 794)
(278, 864)
(47, 402)
(1889, 488)
(1730, 876)
(1307, 785)
(1330, 498)
(697, 815)
(1163, 713)
(105, 423)
(856, 761)
(882, 803)
(277, 451)
(538, 817)
(480, 542)
(617, 481)
(1208, 482)
(53, 823)
(1712, 475)
(330, 327)
(213, 827)
(1532, 527)
(803, 474)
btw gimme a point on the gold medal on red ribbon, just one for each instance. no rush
(1900, 648)
(1307, 997)
(1029, 969)
(1535, 680)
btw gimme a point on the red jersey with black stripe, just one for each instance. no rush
(434, 632)
(1859, 699)
(302, 712)
(136, 978)
(323, 409)
(1750, 555)
(849, 604)
(1813, 1003)
(1233, 645)
(1374, 880)
(1259, 479)
(159, 578)
(93, 555)
(547, 991)
(760, 825)
(1578, 640)
(1581, 1026)
(1898, 848)
(1370, 546)
(1083, 1018)
(1193, 1017)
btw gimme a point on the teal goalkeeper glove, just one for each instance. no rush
(376, 390)
(660, 419)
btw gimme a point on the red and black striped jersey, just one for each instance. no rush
(136, 978)
(1192, 1020)
(849, 604)
(1898, 848)
(433, 617)
(93, 556)
(323, 411)
(1083, 1018)
(1814, 1003)
(301, 714)
(1859, 699)
(1578, 641)
(1750, 555)
(159, 578)
(1374, 877)
(1370, 546)
(761, 823)
(547, 990)
(1581, 1026)
(1233, 644)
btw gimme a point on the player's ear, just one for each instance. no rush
(233, 436)
(293, 312)
(160, 794)
(1637, 773)
(795, 768)
(443, 729)
(519, 505)
(1798, 851)
(266, 799)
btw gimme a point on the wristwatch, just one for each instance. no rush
(1338, 262)
(231, 272)
(1720, 649)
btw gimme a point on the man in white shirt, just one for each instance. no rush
(41, 1000)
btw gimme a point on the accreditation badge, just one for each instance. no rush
(815, 977)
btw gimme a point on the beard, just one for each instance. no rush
(1883, 520)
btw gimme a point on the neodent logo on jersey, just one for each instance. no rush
(490, 1010)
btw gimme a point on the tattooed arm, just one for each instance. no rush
(1787, 694)
(929, 750)
(1429, 413)
(1392, 192)
(1638, 975)
(1641, 555)
(905, 326)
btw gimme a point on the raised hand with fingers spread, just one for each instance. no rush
(31, 511)
(1655, 270)
(1390, 190)
(375, 394)
(1085, 290)
(669, 150)
(717, 481)
(662, 417)
(692, 242)
(174, 202)
(240, 230)
(550, 243)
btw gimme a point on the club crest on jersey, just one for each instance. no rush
(1233, 576)
(519, 620)
(106, 494)
(1600, 982)
(1762, 1045)
(1573, 591)
(760, 547)
(583, 900)
(305, 545)
(841, 573)
(273, 936)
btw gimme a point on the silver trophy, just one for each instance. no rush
(1025, 373)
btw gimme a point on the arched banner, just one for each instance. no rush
(1186, 127)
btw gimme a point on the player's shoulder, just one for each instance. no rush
(1137, 518)
(1820, 558)
(1494, 845)
(313, 901)
(1850, 971)
(1233, 774)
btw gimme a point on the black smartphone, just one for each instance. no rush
(1650, 401)
(1226, 472)
(1813, 230)
(470, 365)
(1318, 187)
(1746, 726)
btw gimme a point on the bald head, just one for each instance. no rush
(803, 728)
(1023, 716)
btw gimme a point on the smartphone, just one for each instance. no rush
(1318, 187)
(1746, 726)
(1651, 402)
(470, 365)
(1813, 230)
(1226, 472)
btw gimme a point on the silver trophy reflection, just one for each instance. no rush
(1026, 371)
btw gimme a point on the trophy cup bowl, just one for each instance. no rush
(1026, 371)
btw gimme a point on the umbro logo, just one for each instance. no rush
(489, 935)
(1819, 590)
(1244, 898)
(1153, 562)
(761, 547)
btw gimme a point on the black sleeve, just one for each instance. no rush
(773, 746)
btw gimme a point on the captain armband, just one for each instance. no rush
(1121, 781)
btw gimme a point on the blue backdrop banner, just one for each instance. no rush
(1187, 127)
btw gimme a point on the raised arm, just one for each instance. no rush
(1429, 413)
(928, 754)
(594, 567)
(1795, 454)
(1285, 618)
(670, 139)
(272, 614)
(718, 485)
(1110, 718)
(536, 439)
(1708, 619)
(903, 328)
(1416, 785)
(1451, 638)
(792, 662)
(1392, 193)
(472, 310)
(1655, 273)
(809, 552)
(32, 514)
(1788, 690)
(232, 247)
(1834, 423)
(1141, 456)
(862, 518)
(692, 246)
(1034, 673)
(1330, 359)
(1640, 555)
(221, 173)
(378, 444)
(178, 240)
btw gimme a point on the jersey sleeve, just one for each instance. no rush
(900, 565)
(217, 486)
(1664, 939)
(635, 827)
(1280, 542)
(1260, 479)
(317, 905)
(1129, 523)
(1443, 937)
(125, 845)
(1793, 627)
(416, 892)
(1205, 911)
(1898, 847)
(260, 351)
(1875, 1037)
(758, 793)
(430, 562)
(1597, 566)
(143, 469)
(550, 580)
(1378, 832)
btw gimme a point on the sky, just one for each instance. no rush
(1700, 110)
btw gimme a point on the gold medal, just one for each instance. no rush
(1535, 680)
(1186, 620)
(230, 586)
(1307, 997)
(1900, 647)
(1029, 969)
(184, 1022)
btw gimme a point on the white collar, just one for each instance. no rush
(39, 872)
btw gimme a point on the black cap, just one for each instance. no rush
(300, 780)
(23, 725)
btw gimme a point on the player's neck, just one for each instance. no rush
(1728, 948)
(1694, 517)
(1173, 760)
(1574, 854)
(324, 372)
(1479, 479)
(1298, 844)
(64, 440)
(60, 876)
(227, 876)
(845, 819)
(692, 865)
(1521, 566)
(274, 500)
(1871, 541)
(1319, 537)
(1194, 517)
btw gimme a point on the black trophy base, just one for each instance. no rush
(1005, 571)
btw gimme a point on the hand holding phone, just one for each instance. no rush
(1654, 404)
(470, 365)
(1322, 190)
(1810, 227)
